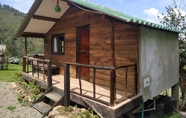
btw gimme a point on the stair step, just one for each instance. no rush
(42, 107)
(53, 96)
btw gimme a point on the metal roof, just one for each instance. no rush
(45, 8)
(121, 16)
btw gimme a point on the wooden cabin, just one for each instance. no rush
(124, 55)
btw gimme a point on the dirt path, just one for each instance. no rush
(9, 106)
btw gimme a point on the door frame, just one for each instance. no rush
(78, 45)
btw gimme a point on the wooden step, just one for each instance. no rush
(42, 107)
(53, 96)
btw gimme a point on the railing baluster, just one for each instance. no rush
(66, 85)
(37, 69)
(79, 76)
(43, 68)
(126, 78)
(32, 67)
(94, 82)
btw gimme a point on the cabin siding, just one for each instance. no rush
(158, 61)
(100, 45)
(126, 53)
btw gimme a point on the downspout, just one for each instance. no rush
(142, 112)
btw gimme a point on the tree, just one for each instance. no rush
(176, 18)
(1, 7)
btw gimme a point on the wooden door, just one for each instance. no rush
(83, 51)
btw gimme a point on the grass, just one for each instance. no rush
(11, 108)
(170, 116)
(9, 74)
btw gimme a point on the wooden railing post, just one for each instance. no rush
(126, 82)
(112, 87)
(135, 79)
(24, 64)
(66, 85)
(49, 70)
(94, 82)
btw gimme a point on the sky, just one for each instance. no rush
(144, 9)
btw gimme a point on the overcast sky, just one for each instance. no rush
(144, 9)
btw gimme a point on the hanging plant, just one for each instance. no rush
(57, 8)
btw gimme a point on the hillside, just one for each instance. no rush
(10, 21)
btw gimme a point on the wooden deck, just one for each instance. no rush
(126, 104)
(102, 93)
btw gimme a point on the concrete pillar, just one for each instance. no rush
(175, 92)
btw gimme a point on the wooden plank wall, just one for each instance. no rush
(100, 43)
(126, 53)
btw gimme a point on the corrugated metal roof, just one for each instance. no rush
(44, 8)
(121, 16)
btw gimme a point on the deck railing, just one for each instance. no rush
(112, 81)
(40, 67)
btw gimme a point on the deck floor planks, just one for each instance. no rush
(102, 92)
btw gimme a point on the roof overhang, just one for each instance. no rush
(41, 18)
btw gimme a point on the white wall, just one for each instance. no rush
(158, 60)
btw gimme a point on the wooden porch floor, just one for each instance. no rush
(102, 92)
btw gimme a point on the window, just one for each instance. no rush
(58, 44)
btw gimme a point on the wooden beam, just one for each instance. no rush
(24, 64)
(25, 51)
(38, 35)
(45, 18)
(90, 66)
(174, 92)
(112, 44)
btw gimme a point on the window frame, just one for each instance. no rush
(58, 44)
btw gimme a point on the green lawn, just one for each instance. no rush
(9, 74)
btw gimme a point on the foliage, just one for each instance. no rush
(176, 115)
(175, 18)
(32, 91)
(182, 59)
(10, 21)
(75, 112)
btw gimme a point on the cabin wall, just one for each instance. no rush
(126, 53)
(100, 45)
(158, 61)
